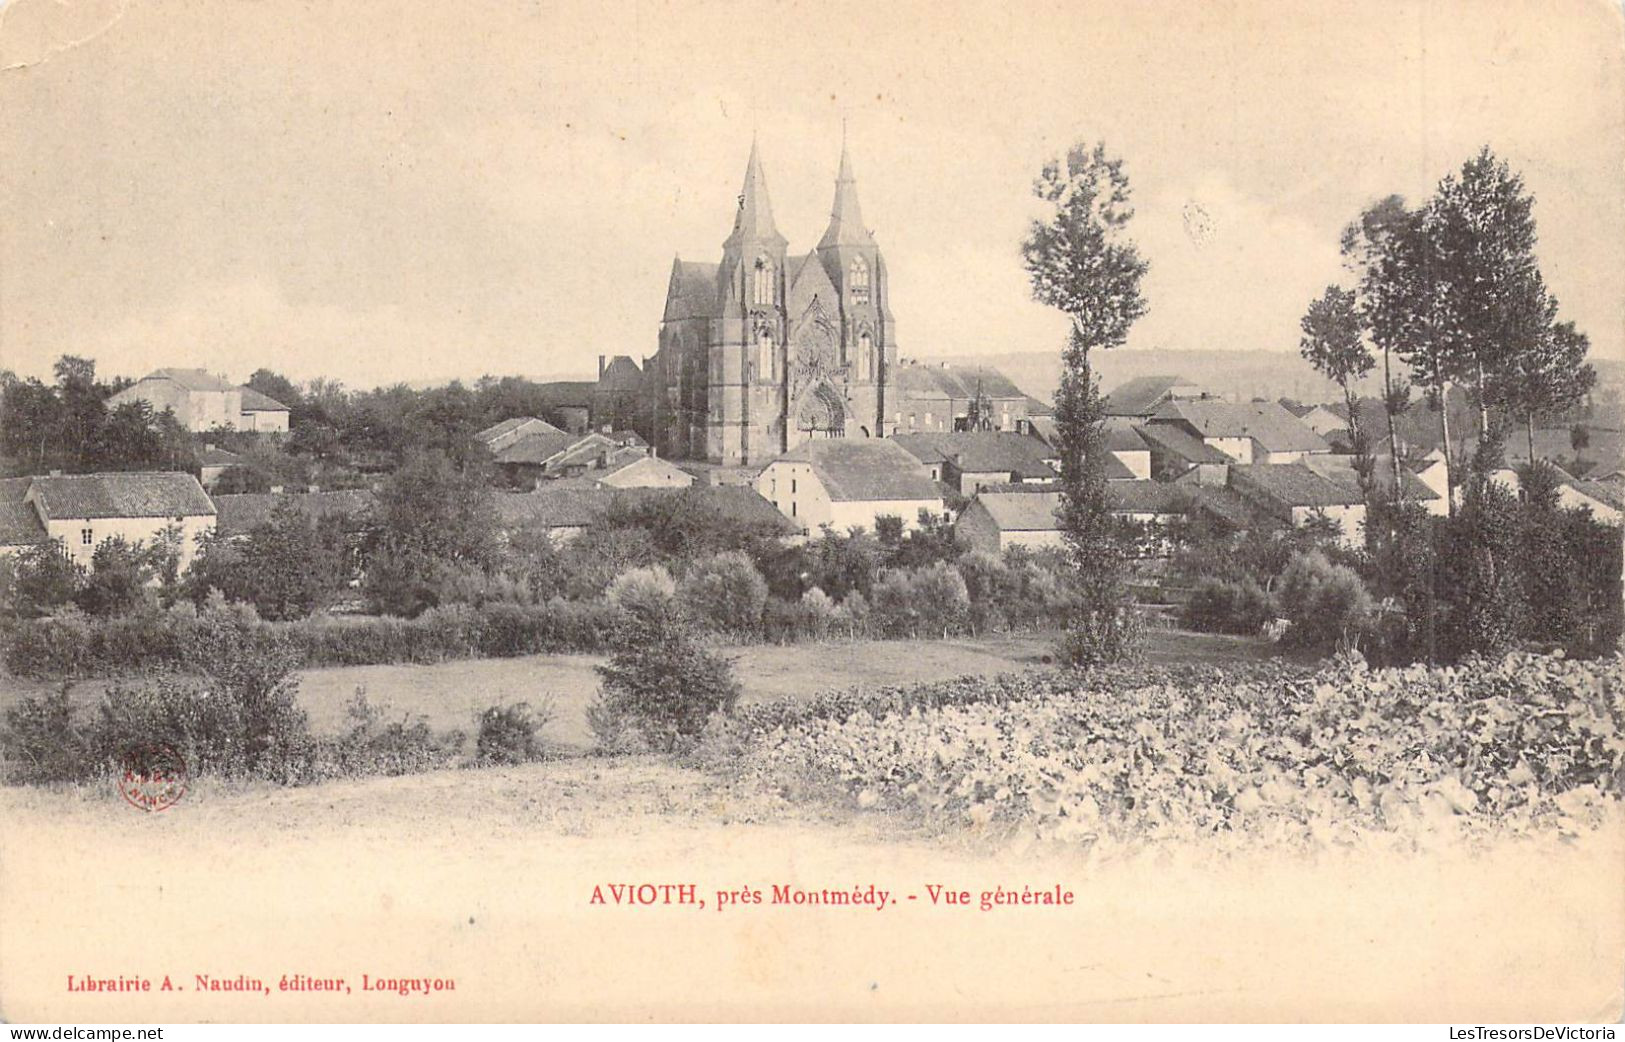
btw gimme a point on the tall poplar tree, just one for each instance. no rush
(1082, 263)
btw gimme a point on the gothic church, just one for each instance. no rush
(767, 349)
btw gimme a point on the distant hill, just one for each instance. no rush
(1237, 375)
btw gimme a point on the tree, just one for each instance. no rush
(119, 571)
(1551, 378)
(1334, 343)
(1362, 245)
(662, 686)
(1082, 263)
(82, 407)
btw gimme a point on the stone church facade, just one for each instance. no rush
(767, 349)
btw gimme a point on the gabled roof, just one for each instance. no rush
(557, 505)
(865, 469)
(192, 379)
(1605, 492)
(1122, 435)
(1038, 407)
(214, 456)
(1293, 485)
(241, 514)
(1045, 429)
(981, 452)
(515, 425)
(1015, 511)
(1018, 508)
(1341, 470)
(537, 447)
(1141, 395)
(254, 401)
(132, 494)
(627, 472)
(692, 292)
(19, 523)
(1170, 440)
(917, 380)
(1275, 429)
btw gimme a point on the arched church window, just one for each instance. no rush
(866, 362)
(859, 281)
(762, 290)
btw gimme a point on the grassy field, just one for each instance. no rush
(451, 694)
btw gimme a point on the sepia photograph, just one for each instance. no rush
(778, 512)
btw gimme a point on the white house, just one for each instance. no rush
(847, 482)
(643, 471)
(1605, 500)
(81, 510)
(202, 401)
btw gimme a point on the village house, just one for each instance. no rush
(500, 435)
(1141, 397)
(238, 515)
(80, 511)
(213, 462)
(1324, 420)
(203, 402)
(849, 482)
(1123, 441)
(1417, 489)
(637, 469)
(999, 518)
(1248, 432)
(564, 510)
(972, 460)
(1294, 494)
(1605, 500)
(1176, 455)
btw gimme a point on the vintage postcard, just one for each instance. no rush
(750, 511)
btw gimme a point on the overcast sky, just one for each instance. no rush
(408, 191)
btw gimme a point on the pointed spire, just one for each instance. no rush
(846, 227)
(753, 222)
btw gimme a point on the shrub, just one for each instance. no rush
(40, 742)
(643, 591)
(374, 746)
(45, 578)
(662, 687)
(508, 733)
(726, 593)
(895, 611)
(1222, 606)
(939, 590)
(819, 611)
(1326, 603)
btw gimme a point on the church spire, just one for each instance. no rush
(753, 222)
(846, 227)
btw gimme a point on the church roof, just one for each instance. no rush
(846, 227)
(753, 221)
(808, 280)
(692, 292)
(621, 374)
(953, 381)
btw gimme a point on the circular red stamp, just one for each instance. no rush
(152, 776)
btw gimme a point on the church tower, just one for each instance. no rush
(746, 365)
(853, 261)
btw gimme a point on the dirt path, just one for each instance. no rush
(486, 877)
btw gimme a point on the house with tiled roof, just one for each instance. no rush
(239, 514)
(202, 401)
(849, 482)
(1605, 499)
(1131, 454)
(500, 435)
(1419, 480)
(1140, 397)
(565, 509)
(80, 511)
(637, 469)
(213, 462)
(262, 414)
(1176, 455)
(1294, 494)
(1248, 432)
(941, 397)
(1013, 515)
(971, 460)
